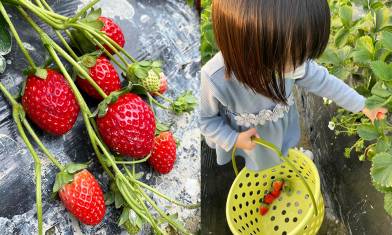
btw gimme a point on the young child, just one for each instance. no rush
(267, 47)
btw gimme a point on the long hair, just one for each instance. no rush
(260, 39)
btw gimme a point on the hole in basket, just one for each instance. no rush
(246, 215)
(287, 220)
(273, 170)
(240, 185)
(257, 183)
(247, 203)
(283, 166)
(274, 208)
(307, 196)
(251, 193)
(254, 201)
(306, 178)
(234, 208)
(273, 177)
(272, 218)
(301, 167)
(265, 184)
(258, 192)
(297, 175)
(283, 212)
(266, 191)
(291, 171)
(240, 217)
(239, 230)
(249, 184)
(247, 225)
(295, 219)
(280, 198)
(261, 200)
(247, 175)
(300, 211)
(257, 210)
(306, 227)
(299, 192)
(251, 222)
(258, 230)
(251, 212)
(236, 196)
(296, 204)
(240, 206)
(243, 194)
(256, 175)
(235, 220)
(295, 161)
(284, 233)
(282, 173)
(243, 228)
(257, 220)
(289, 176)
(288, 204)
(276, 228)
(264, 176)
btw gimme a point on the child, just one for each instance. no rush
(267, 48)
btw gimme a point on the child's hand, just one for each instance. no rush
(244, 139)
(373, 114)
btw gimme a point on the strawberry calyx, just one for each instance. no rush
(130, 221)
(110, 99)
(66, 175)
(89, 60)
(147, 74)
(38, 72)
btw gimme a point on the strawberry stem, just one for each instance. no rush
(83, 11)
(16, 35)
(134, 162)
(16, 114)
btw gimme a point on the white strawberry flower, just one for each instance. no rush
(331, 126)
(327, 101)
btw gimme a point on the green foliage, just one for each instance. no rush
(208, 46)
(360, 51)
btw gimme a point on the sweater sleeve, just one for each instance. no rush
(212, 125)
(318, 81)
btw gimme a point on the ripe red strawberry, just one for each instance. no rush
(276, 194)
(83, 198)
(49, 102)
(128, 127)
(380, 116)
(277, 185)
(163, 154)
(113, 31)
(104, 74)
(268, 199)
(263, 210)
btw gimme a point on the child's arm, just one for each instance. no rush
(213, 126)
(318, 81)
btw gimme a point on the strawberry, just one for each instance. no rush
(268, 199)
(49, 102)
(163, 154)
(263, 210)
(380, 116)
(277, 185)
(102, 72)
(128, 126)
(113, 31)
(276, 194)
(152, 82)
(163, 83)
(83, 197)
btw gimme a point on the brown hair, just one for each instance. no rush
(260, 38)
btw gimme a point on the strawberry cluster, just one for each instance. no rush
(269, 198)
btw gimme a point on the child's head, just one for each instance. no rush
(262, 38)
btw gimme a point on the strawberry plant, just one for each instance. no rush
(122, 128)
(208, 46)
(360, 52)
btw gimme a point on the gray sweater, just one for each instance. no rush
(228, 108)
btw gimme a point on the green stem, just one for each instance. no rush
(83, 11)
(164, 97)
(43, 16)
(16, 35)
(157, 103)
(134, 162)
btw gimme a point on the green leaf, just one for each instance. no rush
(388, 203)
(124, 216)
(5, 38)
(364, 50)
(62, 179)
(341, 37)
(145, 63)
(118, 199)
(382, 70)
(386, 39)
(381, 170)
(367, 132)
(346, 15)
(383, 19)
(141, 73)
(109, 198)
(375, 102)
(161, 127)
(75, 167)
(380, 90)
(94, 15)
(98, 25)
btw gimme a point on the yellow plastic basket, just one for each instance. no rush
(294, 214)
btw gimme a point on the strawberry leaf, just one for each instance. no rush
(124, 216)
(388, 203)
(109, 198)
(93, 15)
(364, 51)
(5, 38)
(382, 70)
(375, 102)
(62, 179)
(381, 170)
(75, 167)
(346, 15)
(118, 199)
(41, 73)
(367, 132)
(186, 102)
(387, 40)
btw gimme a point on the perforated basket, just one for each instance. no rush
(289, 214)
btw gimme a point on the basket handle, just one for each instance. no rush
(275, 149)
